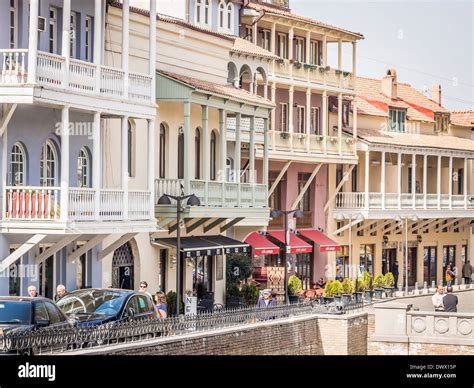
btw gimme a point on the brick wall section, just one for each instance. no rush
(310, 335)
(370, 324)
(413, 348)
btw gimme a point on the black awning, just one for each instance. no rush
(205, 245)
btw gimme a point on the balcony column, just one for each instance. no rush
(325, 120)
(238, 119)
(273, 113)
(399, 180)
(223, 152)
(382, 179)
(291, 35)
(438, 182)
(367, 174)
(290, 110)
(425, 181)
(464, 182)
(254, 33)
(252, 157)
(339, 122)
(308, 119)
(450, 182)
(325, 51)
(66, 40)
(354, 124)
(152, 48)
(308, 47)
(265, 89)
(96, 164)
(97, 42)
(33, 41)
(64, 164)
(354, 59)
(151, 165)
(125, 172)
(205, 150)
(339, 54)
(187, 147)
(413, 179)
(265, 155)
(125, 44)
(273, 39)
(4, 170)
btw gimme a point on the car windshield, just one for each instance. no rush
(15, 312)
(103, 302)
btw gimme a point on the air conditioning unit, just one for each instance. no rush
(41, 24)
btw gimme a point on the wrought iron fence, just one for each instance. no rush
(62, 339)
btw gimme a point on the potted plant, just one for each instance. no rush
(297, 64)
(389, 281)
(368, 293)
(359, 288)
(234, 297)
(250, 294)
(333, 139)
(301, 136)
(328, 293)
(350, 140)
(171, 302)
(345, 73)
(338, 71)
(378, 286)
(281, 61)
(294, 288)
(337, 291)
(319, 138)
(285, 135)
(346, 288)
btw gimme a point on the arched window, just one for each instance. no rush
(162, 172)
(17, 173)
(221, 14)
(207, 12)
(181, 154)
(48, 164)
(197, 154)
(229, 165)
(213, 156)
(198, 11)
(230, 17)
(83, 168)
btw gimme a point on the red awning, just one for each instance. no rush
(297, 245)
(261, 245)
(319, 238)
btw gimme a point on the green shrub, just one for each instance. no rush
(171, 302)
(250, 294)
(359, 285)
(294, 285)
(379, 281)
(367, 280)
(346, 286)
(238, 267)
(329, 289)
(389, 280)
(233, 290)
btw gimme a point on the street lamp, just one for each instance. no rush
(165, 199)
(297, 213)
(399, 219)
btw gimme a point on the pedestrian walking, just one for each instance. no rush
(449, 275)
(467, 272)
(437, 298)
(266, 300)
(143, 288)
(450, 301)
(161, 305)
(395, 273)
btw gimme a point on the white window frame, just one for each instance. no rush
(265, 42)
(230, 17)
(222, 15)
(400, 117)
(49, 166)
(13, 15)
(53, 30)
(18, 158)
(198, 16)
(301, 121)
(313, 52)
(249, 33)
(83, 168)
(299, 49)
(315, 112)
(73, 43)
(284, 117)
(88, 39)
(207, 12)
(282, 46)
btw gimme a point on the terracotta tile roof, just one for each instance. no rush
(271, 10)
(243, 46)
(463, 119)
(227, 90)
(376, 136)
(372, 101)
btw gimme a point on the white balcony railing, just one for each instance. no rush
(389, 201)
(245, 124)
(80, 76)
(217, 194)
(28, 203)
(311, 144)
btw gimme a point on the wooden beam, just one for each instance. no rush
(165, 221)
(86, 247)
(355, 222)
(231, 223)
(197, 224)
(6, 117)
(423, 224)
(116, 244)
(382, 225)
(213, 224)
(174, 227)
(447, 225)
(339, 186)
(24, 248)
(365, 225)
(278, 179)
(306, 186)
(56, 248)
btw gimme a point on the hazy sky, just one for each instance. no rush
(427, 42)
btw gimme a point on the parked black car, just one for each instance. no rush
(96, 306)
(24, 314)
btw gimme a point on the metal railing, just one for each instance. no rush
(62, 339)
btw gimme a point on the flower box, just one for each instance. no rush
(345, 73)
(281, 61)
(297, 64)
(350, 140)
(285, 135)
(333, 139)
(338, 71)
